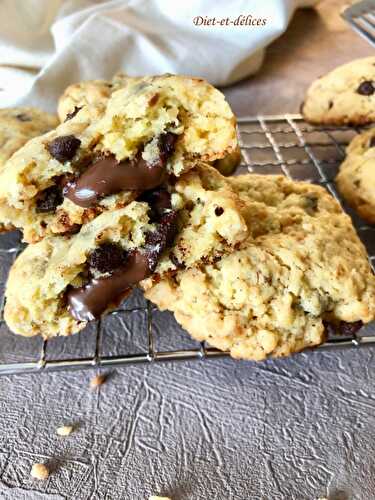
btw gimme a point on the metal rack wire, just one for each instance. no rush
(271, 144)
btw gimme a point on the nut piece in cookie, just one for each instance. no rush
(301, 267)
(356, 178)
(107, 153)
(344, 96)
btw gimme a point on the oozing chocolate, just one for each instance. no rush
(89, 301)
(108, 176)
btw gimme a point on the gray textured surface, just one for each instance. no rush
(289, 429)
(299, 428)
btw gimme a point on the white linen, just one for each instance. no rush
(47, 44)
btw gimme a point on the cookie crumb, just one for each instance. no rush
(39, 471)
(97, 381)
(64, 430)
(153, 497)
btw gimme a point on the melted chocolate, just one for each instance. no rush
(108, 176)
(88, 302)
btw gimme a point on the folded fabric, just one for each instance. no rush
(47, 44)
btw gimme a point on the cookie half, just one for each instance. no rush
(102, 158)
(301, 271)
(345, 96)
(60, 283)
(17, 126)
(356, 178)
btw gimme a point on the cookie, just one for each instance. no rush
(87, 93)
(356, 178)
(103, 157)
(344, 96)
(60, 283)
(17, 126)
(301, 271)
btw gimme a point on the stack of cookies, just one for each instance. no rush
(128, 190)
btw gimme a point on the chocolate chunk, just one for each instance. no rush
(176, 262)
(350, 328)
(90, 301)
(342, 328)
(106, 258)
(311, 204)
(219, 211)
(157, 241)
(63, 148)
(49, 199)
(159, 201)
(23, 117)
(366, 88)
(73, 113)
(166, 144)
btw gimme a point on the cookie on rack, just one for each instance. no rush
(17, 126)
(345, 96)
(103, 156)
(356, 178)
(60, 283)
(300, 271)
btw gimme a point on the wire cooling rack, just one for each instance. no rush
(138, 332)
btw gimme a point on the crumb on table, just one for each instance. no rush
(39, 471)
(97, 380)
(64, 430)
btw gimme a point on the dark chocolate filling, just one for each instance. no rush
(107, 176)
(90, 301)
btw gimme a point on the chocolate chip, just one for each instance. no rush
(49, 199)
(219, 211)
(23, 117)
(166, 144)
(330, 104)
(73, 113)
(63, 148)
(161, 238)
(342, 328)
(106, 258)
(154, 99)
(366, 88)
(159, 201)
(372, 142)
(350, 328)
(176, 262)
(311, 204)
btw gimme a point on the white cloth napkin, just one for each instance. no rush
(46, 45)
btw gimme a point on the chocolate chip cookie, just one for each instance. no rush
(60, 283)
(356, 179)
(104, 156)
(344, 96)
(17, 126)
(301, 272)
